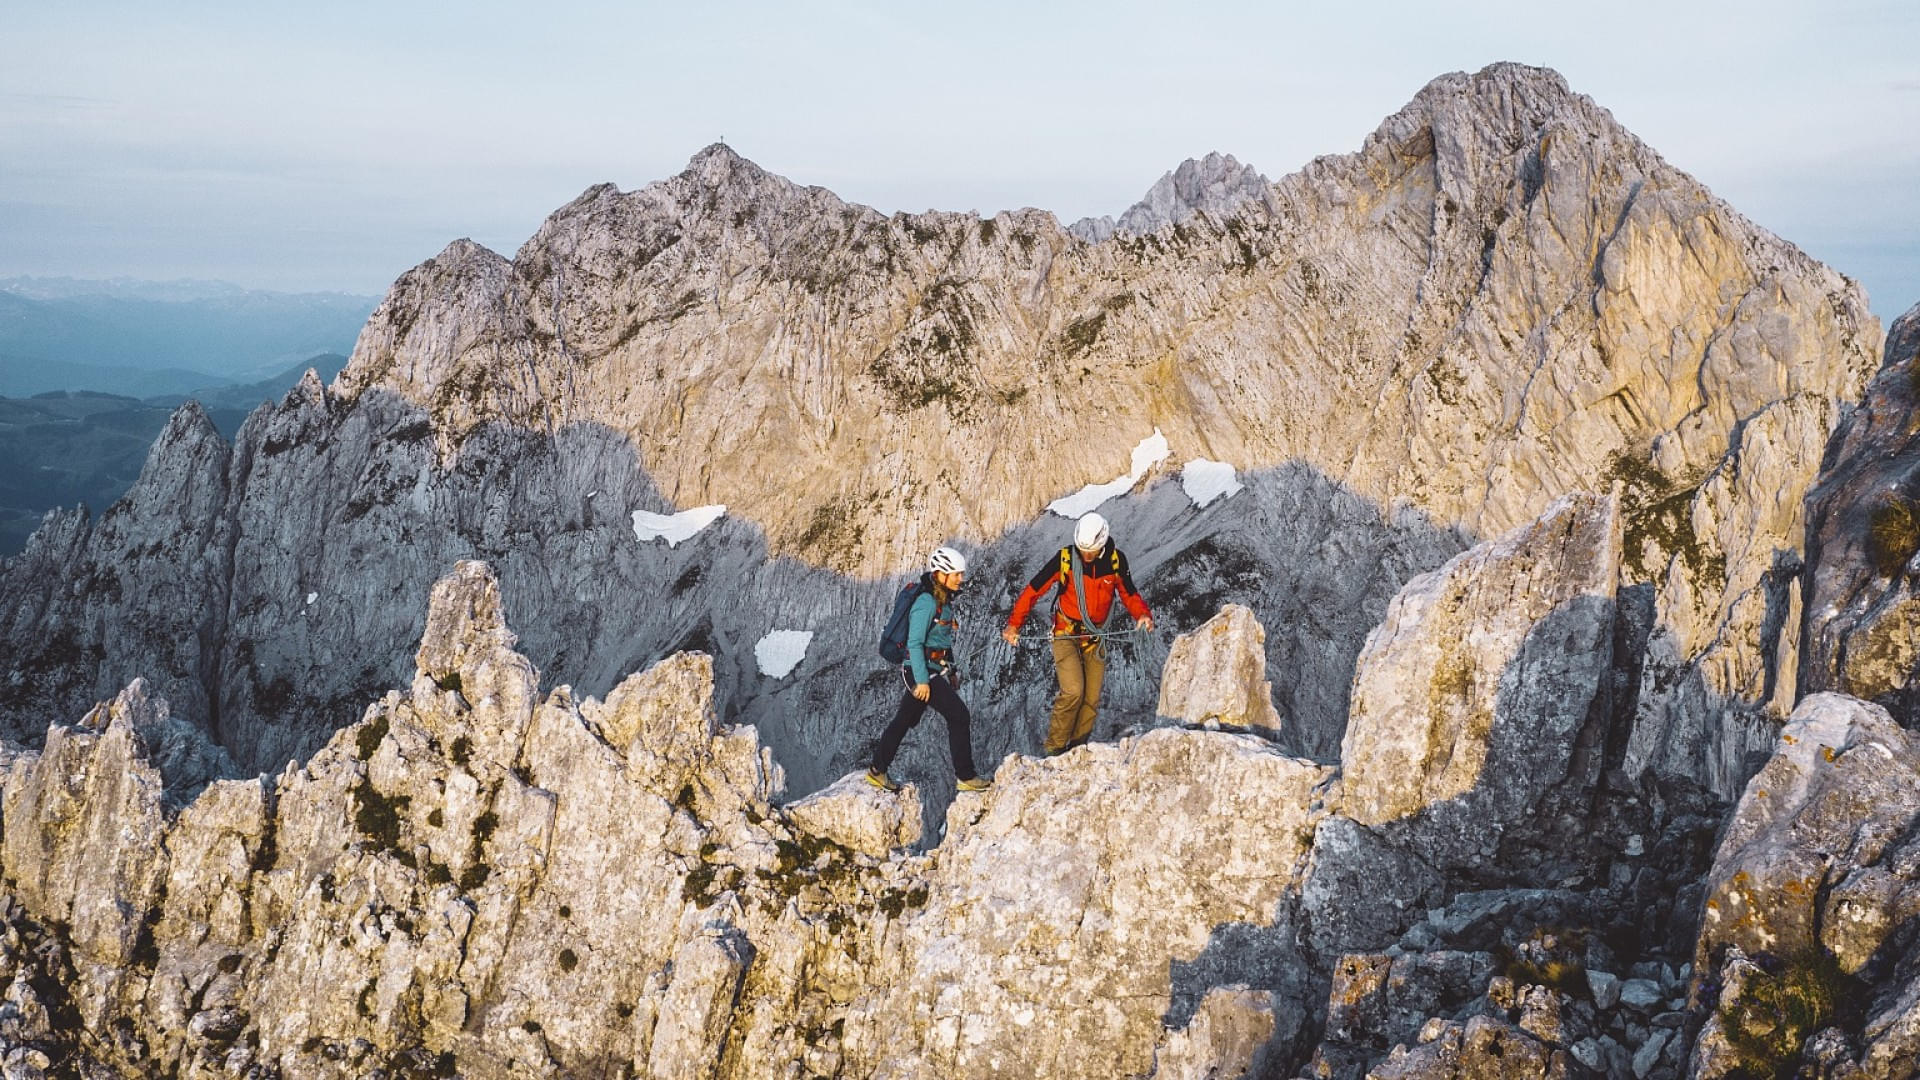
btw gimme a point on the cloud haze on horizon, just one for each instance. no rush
(333, 147)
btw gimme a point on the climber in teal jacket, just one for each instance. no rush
(930, 677)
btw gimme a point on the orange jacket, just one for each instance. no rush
(1105, 576)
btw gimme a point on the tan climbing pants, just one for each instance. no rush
(1081, 665)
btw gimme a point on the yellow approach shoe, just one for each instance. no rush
(978, 783)
(881, 780)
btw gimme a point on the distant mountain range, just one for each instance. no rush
(66, 447)
(146, 339)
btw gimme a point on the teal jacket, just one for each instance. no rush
(929, 630)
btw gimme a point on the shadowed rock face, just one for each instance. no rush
(1863, 532)
(285, 592)
(1484, 692)
(140, 592)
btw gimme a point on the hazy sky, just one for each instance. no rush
(330, 146)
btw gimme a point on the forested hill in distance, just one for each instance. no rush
(144, 339)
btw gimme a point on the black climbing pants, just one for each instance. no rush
(945, 701)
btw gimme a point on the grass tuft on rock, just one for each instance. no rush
(1893, 533)
(371, 734)
(377, 816)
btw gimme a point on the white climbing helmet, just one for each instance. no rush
(945, 560)
(1090, 533)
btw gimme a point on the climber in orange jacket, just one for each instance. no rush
(1087, 575)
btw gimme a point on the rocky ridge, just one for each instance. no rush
(1524, 296)
(482, 879)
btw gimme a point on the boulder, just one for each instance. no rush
(1481, 705)
(855, 814)
(1813, 888)
(1216, 675)
(1362, 891)
(1816, 854)
(1227, 1038)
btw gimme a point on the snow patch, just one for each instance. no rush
(1152, 451)
(1205, 481)
(312, 596)
(781, 651)
(674, 528)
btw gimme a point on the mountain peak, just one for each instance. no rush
(719, 165)
(1218, 183)
(1505, 100)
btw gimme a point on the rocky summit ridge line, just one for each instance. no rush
(1500, 293)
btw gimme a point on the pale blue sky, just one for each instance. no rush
(331, 146)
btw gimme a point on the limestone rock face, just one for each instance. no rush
(1812, 896)
(1481, 704)
(1217, 675)
(484, 880)
(1863, 533)
(1500, 298)
(1462, 238)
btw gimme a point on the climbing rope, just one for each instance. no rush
(1036, 639)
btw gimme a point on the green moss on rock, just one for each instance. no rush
(1657, 510)
(1782, 1006)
